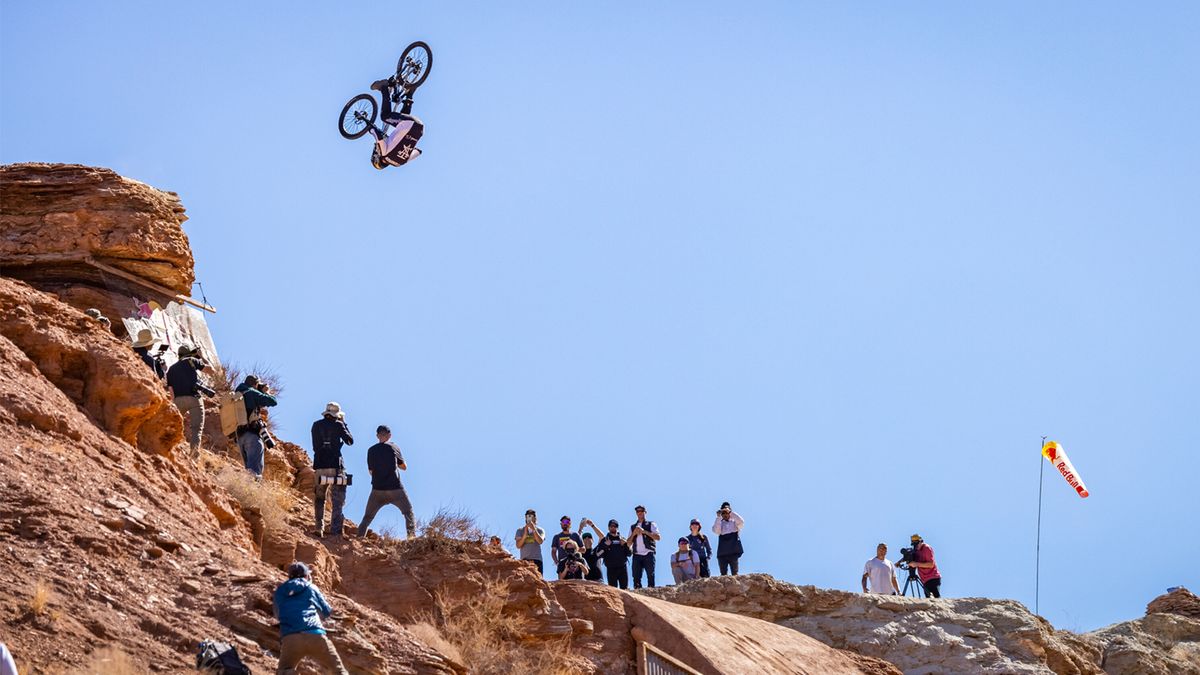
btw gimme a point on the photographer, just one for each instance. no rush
(300, 606)
(881, 573)
(328, 435)
(927, 569)
(141, 346)
(529, 540)
(571, 564)
(615, 552)
(728, 529)
(250, 436)
(183, 382)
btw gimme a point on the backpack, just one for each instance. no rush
(220, 658)
(233, 412)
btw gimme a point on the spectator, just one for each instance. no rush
(141, 346)
(300, 606)
(103, 320)
(698, 541)
(685, 563)
(592, 555)
(249, 435)
(529, 540)
(183, 382)
(571, 564)
(881, 573)
(495, 542)
(642, 537)
(328, 435)
(615, 552)
(728, 528)
(385, 462)
(557, 541)
(927, 569)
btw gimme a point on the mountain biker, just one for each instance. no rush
(398, 147)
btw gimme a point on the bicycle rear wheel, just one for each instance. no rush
(357, 116)
(414, 65)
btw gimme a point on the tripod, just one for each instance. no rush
(913, 581)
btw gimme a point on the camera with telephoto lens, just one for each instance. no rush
(907, 555)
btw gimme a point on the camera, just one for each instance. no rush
(907, 555)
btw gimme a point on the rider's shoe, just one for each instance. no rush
(381, 85)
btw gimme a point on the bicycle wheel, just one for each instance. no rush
(414, 65)
(358, 116)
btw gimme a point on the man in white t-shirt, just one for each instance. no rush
(881, 573)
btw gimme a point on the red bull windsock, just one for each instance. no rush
(1054, 453)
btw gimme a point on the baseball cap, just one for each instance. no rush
(683, 540)
(613, 523)
(694, 522)
(383, 429)
(916, 538)
(639, 507)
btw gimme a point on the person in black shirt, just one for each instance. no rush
(183, 381)
(383, 461)
(328, 435)
(615, 552)
(592, 556)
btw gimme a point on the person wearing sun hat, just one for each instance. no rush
(328, 435)
(141, 346)
(685, 563)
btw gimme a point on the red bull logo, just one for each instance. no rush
(1058, 458)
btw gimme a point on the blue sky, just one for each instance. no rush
(841, 265)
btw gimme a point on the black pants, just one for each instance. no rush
(643, 562)
(933, 588)
(618, 575)
(728, 564)
(704, 569)
(536, 561)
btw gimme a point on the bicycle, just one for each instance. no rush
(412, 68)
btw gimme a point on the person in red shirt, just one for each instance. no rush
(927, 569)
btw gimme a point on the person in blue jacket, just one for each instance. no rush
(249, 435)
(300, 606)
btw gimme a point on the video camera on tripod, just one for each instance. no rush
(907, 555)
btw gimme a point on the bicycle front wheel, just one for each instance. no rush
(414, 65)
(357, 116)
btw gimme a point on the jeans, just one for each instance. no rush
(643, 562)
(193, 409)
(377, 500)
(728, 565)
(251, 445)
(338, 494)
(933, 588)
(618, 575)
(294, 647)
(681, 575)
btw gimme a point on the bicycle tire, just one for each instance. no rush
(422, 55)
(348, 124)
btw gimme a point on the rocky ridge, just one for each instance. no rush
(957, 635)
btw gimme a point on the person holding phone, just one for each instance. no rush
(529, 540)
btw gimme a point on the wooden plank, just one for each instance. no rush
(149, 284)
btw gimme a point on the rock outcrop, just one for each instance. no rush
(953, 635)
(707, 641)
(55, 215)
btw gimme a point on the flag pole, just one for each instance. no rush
(1037, 570)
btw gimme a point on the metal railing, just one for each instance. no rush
(654, 661)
